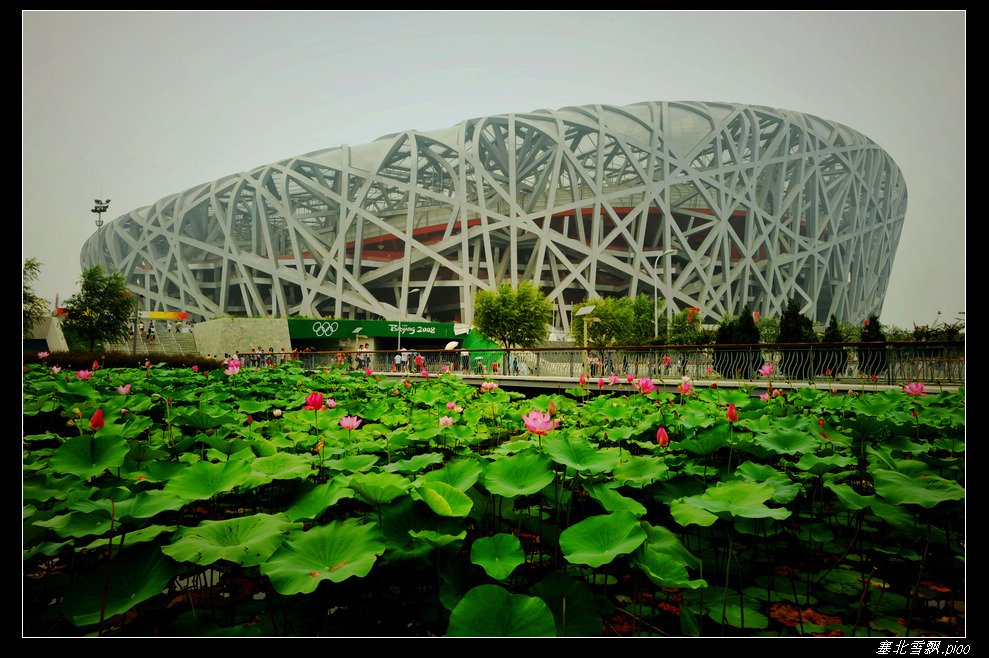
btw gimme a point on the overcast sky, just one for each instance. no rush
(135, 106)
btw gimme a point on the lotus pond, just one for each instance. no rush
(287, 502)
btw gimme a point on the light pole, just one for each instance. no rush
(586, 311)
(402, 316)
(100, 208)
(655, 290)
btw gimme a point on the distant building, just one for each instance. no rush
(760, 205)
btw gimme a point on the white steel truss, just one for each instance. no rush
(760, 206)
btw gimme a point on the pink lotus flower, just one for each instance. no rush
(368, 371)
(709, 370)
(583, 380)
(314, 401)
(276, 413)
(666, 361)
(662, 438)
(646, 385)
(96, 366)
(488, 386)
(350, 422)
(56, 369)
(446, 421)
(732, 414)
(684, 388)
(407, 384)
(539, 423)
(96, 422)
(613, 379)
(232, 370)
(195, 368)
(84, 374)
(42, 355)
(451, 405)
(764, 397)
(331, 403)
(766, 370)
(914, 389)
(123, 390)
(629, 378)
(600, 382)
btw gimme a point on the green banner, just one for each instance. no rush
(307, 328)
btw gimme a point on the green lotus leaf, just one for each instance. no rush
(202, 419)
(334, 552)
(416, 463)
(137, 574)
(246, 540)
(445, 499)
(311, 504)
(737, 498)
(612, 501)
(143, 505)
(518, 475)
(924, 490)
(574, 608)
(708, 441)
(281, 466)
(351, 463)
(739, 615)
(498, 555)
(493, 611)
(600, 539)
(787, 441)
(820, 465)
(640, 471)
(461, 473)
(579, 454)
(203, 480)
(378, 488)
(850, 498)
(89, 455)
(133, 537)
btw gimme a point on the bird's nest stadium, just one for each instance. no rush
(711, 206)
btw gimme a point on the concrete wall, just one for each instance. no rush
(228, 335)
(50, 329)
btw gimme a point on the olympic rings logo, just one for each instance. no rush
(325, 329)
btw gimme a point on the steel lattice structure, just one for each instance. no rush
(761, 205)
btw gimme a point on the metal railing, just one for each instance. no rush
(887, 363)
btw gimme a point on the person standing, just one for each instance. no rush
(151, 332)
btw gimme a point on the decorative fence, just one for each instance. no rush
(883, 362)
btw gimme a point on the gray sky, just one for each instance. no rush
(134, 106)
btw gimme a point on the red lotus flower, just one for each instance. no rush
(914, 389)
(96, 422)
(666, 361)
(732, 414)
(662, 438)
(314, 401)
(539, 423)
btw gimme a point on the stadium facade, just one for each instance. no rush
(706, 205)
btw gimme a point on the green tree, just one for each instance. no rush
(644, 320)
(795, 327)
(612, 322)
(102, 308)
(514, 317)
(684, 329)
(35, 308)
